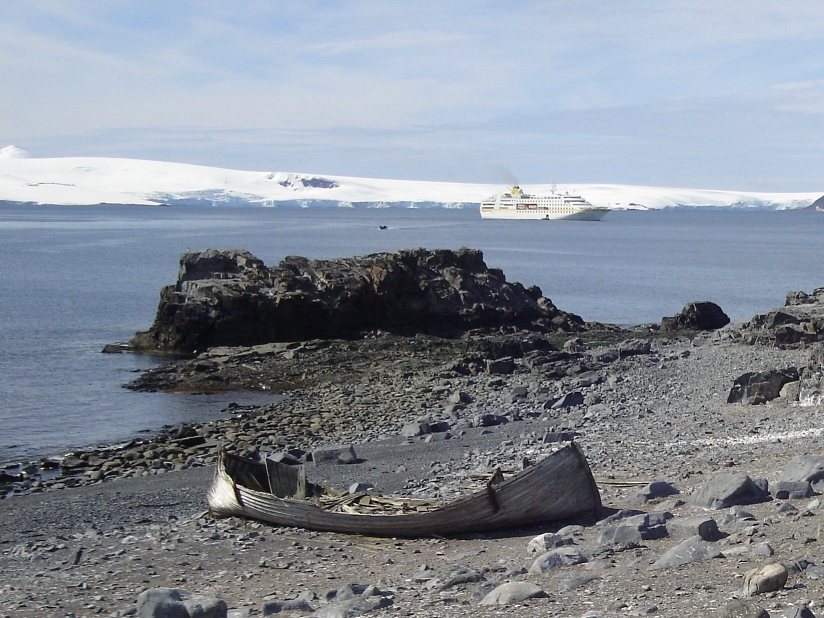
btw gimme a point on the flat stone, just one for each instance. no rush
(513, 592)
(692, 550)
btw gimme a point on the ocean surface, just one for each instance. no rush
(76, 278)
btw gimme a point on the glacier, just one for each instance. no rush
(76, 181)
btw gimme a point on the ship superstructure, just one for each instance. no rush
(519, 205)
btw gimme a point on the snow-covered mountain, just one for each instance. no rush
(96, 180)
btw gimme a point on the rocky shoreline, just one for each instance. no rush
(429, 416)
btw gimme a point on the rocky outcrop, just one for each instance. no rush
(701, 315)
(799, 321)
(230, 298)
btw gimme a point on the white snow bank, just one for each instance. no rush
(14, 152)
(90, 180)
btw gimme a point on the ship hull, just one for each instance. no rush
(595, 214)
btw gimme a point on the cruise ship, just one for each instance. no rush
(519, 205)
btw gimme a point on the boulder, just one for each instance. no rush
(702, 315)
(575, 398)
(741, 609)
(756, 388)
(791, 490)
(692, 550)
(563, 556)
(413, 430)
(729, 489)
(178, 603)
(334, 455)
(652, 491)
(500, 366)
(513, 592)
(686, 527)
(546, 542)
(768, 578)
(230, 298)
(633, 347)
(804, 468)
(636, 528)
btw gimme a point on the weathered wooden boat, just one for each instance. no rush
(560, 487)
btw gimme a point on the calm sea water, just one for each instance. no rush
(74, 279)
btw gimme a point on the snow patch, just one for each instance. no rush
(14, 152)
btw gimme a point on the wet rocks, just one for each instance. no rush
(229, 298)
(701, 315)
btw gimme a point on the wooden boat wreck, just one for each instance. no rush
(558, 488)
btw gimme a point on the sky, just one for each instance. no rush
(702, 94)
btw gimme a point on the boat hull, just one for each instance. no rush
(515, 215)
(561, 487)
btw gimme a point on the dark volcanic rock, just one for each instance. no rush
(230, 298)
(702, 315)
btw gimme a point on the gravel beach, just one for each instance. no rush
(656, 415)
